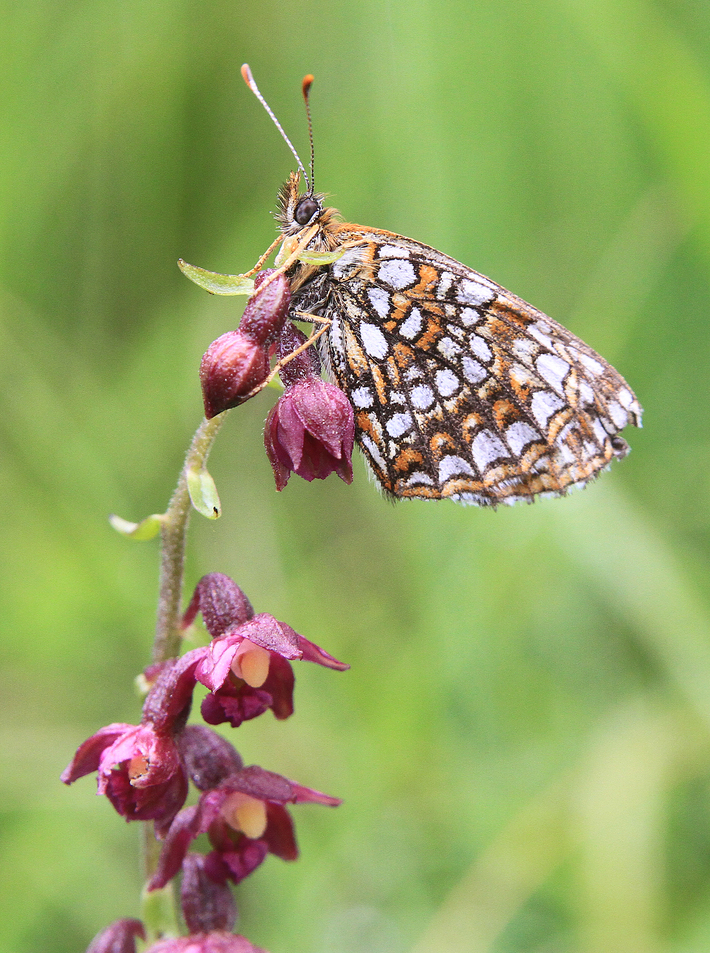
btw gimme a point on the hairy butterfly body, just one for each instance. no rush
(460, 389)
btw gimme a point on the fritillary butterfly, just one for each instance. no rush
(460, 389)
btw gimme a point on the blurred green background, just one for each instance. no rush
(523, 742)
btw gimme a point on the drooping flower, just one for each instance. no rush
(246, 666)
(140, 767)
(310, 430)
(245, 819)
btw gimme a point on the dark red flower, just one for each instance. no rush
(246, 665)
(245, 819)
(140, 768)
(310, 430)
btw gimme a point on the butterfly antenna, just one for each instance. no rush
(307, 83)
(249, 80)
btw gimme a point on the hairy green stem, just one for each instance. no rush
(173, 536)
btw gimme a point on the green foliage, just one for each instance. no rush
(523, 742)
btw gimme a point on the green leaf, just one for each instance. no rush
(203, 493)
(146, 529)
(215, 283)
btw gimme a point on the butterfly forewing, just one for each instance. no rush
(460, 389)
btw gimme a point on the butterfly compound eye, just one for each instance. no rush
(305, 210)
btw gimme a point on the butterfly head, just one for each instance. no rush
(297, 209)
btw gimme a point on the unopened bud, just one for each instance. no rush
(231, 368)
(266, 310)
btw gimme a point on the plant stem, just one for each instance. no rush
(172, 563)
(173, 536)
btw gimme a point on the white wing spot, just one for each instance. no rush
(422, 396)
(586, 393)
(599, 431)
(473, 371)
(539, 332)
(448, 348)
(626, 398)
(380, 301)
(393, 251)
(472, 292)
(469, 317)
(398, 273)
(412, 326)
(519, 435)
(486, 448)
(361, 397)
(417, 476)
(591, 364)
(444, 284)
(373, 340)
(398, 424)
(617, 414)
(480, 347)
(371, 446)
(447, 383)
(525, 349)
(452, 465)
(552, 369)
(543, 405)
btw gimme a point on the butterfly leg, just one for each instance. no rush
(260, 262)
(326, 322)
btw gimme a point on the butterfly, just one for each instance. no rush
(459, 388)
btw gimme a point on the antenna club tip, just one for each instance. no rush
(307, 83)
(246, 75)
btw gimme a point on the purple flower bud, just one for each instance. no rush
(295, 368)
(238, 361)
(232, 366)
(266, 310)
(119, 937)
(209, 758)
(222, 603)
(206, 904)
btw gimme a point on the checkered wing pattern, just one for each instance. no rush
(460, 389)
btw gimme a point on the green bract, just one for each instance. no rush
(215, 283)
